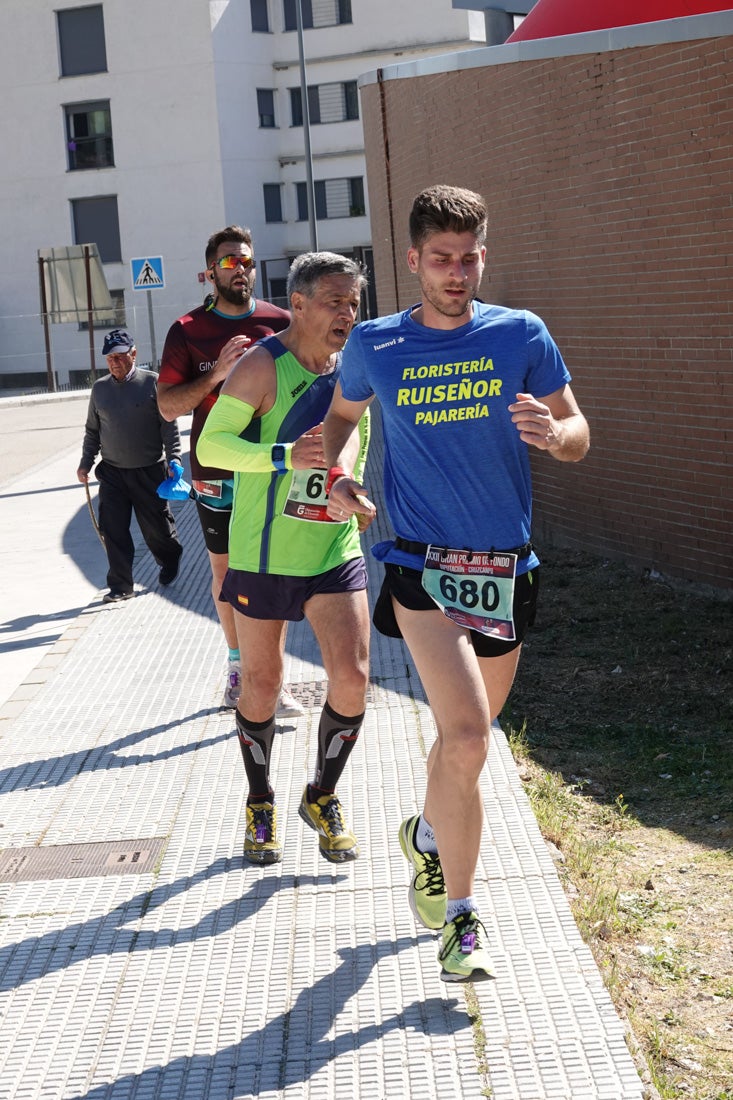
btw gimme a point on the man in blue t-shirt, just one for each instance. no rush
(465, 389)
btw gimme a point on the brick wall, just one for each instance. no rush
(609, 179)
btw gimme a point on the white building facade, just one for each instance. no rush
(145, 125)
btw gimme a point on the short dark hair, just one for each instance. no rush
(234, 233)
(444, 209)
(309, 267)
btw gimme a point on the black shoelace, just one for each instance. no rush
(430, 880)
(465, 934)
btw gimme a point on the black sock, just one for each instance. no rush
(337, 736)
(255, 741)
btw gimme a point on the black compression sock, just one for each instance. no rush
(255, 741)
(337, 736)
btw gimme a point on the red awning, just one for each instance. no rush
(550, 18)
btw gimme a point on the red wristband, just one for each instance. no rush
(334, 473)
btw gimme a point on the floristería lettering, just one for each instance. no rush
(444, 370)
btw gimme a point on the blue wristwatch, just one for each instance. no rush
(277, 456)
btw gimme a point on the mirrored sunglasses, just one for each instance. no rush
(228, 263)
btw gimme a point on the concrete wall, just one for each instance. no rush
(609, 177)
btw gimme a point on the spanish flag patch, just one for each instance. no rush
(244, 600)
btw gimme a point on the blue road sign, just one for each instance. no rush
(147, 273)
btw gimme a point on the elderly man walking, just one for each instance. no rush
(123, 423)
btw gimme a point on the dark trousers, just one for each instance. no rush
(121, 491)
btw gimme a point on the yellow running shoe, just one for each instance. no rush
(463, 954)
(336, 843)
(428, 897)
(260, 837)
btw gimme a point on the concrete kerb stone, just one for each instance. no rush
(22, 399)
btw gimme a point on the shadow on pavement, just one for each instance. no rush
(54, 771)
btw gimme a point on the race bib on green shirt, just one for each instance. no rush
(307, 498)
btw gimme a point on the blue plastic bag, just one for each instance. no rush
(174, 487)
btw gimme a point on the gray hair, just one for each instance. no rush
(307, 269)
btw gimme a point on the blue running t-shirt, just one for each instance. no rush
(456, 472)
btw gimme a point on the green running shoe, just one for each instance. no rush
(428, 898)
(260, 836)
(463, 954)
(336, 843)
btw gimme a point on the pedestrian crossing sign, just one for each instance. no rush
(147, 273)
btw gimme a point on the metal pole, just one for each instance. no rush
(51, 381)
(90, 306)
(306, 132)
(151, 324)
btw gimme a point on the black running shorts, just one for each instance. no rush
(215, 526)
(405, 585)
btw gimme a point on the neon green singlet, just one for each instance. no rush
(278, 523)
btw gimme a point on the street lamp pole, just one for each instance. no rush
(310, 191)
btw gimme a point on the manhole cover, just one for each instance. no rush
(312, 693)
(110, 857)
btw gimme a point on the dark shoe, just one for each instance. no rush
(169, 572)
(114, 596)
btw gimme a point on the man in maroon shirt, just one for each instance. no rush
(200, 350)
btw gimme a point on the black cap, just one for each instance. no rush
(117, 341)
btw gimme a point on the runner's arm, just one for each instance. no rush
(554, 424)
(340, 439)
(250, 391)
(220, 444)
(179, 398)
(341, 444)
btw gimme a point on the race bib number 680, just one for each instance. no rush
(475, 590)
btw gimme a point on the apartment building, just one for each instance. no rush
(144, 125)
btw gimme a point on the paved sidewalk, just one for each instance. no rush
(51, 562)
(141, 959)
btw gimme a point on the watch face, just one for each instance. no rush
(278, 452)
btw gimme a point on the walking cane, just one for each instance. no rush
(93, 514)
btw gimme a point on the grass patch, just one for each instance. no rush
(473, 1009)
(621, 723)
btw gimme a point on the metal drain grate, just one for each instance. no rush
(109, 857)
(312, 693)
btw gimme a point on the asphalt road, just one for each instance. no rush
(32, 434)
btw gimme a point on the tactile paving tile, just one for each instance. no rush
(214, 979)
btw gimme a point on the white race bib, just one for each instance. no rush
(474, 589)
(307, 498)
